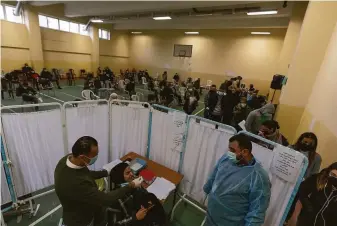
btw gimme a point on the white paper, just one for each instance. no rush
(136, 166)
(287, 163)
(242, 125)
(161, 188)
(178, 131)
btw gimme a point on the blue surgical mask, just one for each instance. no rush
(92, 160)
(232, 157)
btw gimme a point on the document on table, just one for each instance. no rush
(161, 188)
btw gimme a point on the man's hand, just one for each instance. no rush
(141, 214)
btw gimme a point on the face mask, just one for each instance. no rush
(305, 147)
(220, 93)
(92, 160)
(232, 157)
(332, 181)
(243, 105)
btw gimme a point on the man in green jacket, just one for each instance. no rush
(83, 204)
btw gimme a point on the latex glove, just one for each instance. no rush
(138, 182)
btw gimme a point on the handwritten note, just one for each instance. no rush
(287, 163)
(178, 131)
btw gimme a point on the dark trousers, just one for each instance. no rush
(216, 118)
(57, 83)
(36, 84)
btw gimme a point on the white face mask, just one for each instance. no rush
(220, 93)
(243, 104)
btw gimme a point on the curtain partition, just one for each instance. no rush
(206, 142)
(168, 128)
(129, 128)
(89, 118)
(35, 143)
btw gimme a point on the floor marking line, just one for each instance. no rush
(51, 97)
(8, 108)
(71, 95)
(199, 111)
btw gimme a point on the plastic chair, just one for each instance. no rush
(121, 84)
(135, 98)
(182, 91)
(89, 95)
(208, 84)
(144, 82)
(140, 96)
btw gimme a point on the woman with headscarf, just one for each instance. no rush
(318, 195)
(143, 208)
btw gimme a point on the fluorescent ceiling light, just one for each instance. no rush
(97, 21)
(162, 18)
(206, 14)
(191, 32)
(262, 13)
(260, 33)
(136, 32)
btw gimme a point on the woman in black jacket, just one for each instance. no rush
(143, 208)
(318, 195)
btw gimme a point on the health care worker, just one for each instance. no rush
(238, 188)
(83, 204)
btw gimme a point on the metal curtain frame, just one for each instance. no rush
(15, 200)
(184, 197)
(88, 102)
(111, 102)
(184, 136)
(299, 179)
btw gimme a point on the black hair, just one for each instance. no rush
(243, 141)
(271, 124)
(314, 147)
(213, 86)
(83, 146)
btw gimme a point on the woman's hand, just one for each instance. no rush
(141, 214)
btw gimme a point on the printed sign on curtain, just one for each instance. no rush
(178, 131)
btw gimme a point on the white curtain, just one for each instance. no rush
(129, 129)
(35, 145)
(162, 144)
(205, 146)
(90, 120)
(281, 190)
(5, 195)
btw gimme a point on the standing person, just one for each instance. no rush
(307, 144)
(57, 76)
(318, 195)
(240, 112)
(216, 114)
(210, 100)
(83, 204)
(191, 100)
(258, 116)
(164, 76)
(229, 102)
(238, 188)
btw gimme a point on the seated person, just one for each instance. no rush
(28, 94)
(45, 79)
(176, 78)
(97, 85)
(191, 99)
(270, 130)
(142, 208)
(166, 94)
